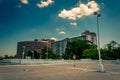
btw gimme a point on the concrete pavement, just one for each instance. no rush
(62, 71)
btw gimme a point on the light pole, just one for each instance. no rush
(47, 51)
(100, 66)
(32, 54)
(23, 52)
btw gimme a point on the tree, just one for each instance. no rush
(6, 57)
(65, 56)
(105, 54)
(50, 54)
(90, 53)
(112, 51)
(112, 45)
(77, 47)
(33, 54)
(68, 56)
(43, 54)
(1, 58)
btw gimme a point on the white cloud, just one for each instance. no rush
(19, 6)
(57, 29)
(53, 38)
(62, 32)
(80, 11)
(44, 3)
(73, 23)
(24, 1)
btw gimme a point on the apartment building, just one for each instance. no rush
(36, 45)
(60, 46)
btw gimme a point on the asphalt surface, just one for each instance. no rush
(60, 71)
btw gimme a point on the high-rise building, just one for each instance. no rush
(36, 45)
(90, 36)
(60, 46)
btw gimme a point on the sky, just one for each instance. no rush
(26, 20)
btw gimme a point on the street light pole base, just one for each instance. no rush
(100, 68)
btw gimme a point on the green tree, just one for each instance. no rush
(112, 51)
(6, 57)
(1, 58)
(65, 56)
(77, 47)
(112, 45)
(43, 54)
(33, 54)
(105, 54)
(50, 54)
(90, 53)
(68, 56)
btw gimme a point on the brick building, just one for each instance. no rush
(36, 45)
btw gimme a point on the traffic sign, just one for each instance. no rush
(74, 57)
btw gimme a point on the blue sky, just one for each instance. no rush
(24, 20)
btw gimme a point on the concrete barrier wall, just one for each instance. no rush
(32, 61)
(5, 61)
(50, 61)
(15, 61)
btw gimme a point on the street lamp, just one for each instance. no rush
(23, 52)
(32, 54)
(47, 51)
(100, 66)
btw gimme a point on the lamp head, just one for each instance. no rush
(95, 13)
(99, 15)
